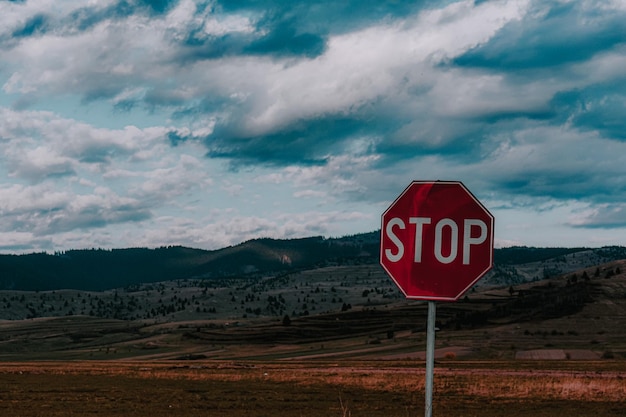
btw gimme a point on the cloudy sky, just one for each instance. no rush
(148, 123)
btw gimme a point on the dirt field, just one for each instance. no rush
(311, 389)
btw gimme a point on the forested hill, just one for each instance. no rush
(98, 269)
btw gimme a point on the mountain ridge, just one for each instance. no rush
(104, 269)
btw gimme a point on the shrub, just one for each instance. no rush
(608, 355)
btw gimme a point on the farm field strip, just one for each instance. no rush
(309, 389)
(482, 379)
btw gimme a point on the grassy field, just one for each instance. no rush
(309, 389)
(553, 348)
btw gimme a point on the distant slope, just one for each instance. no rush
(524, 254)
(580, 314)
(263, 255)
(97, 269)
(518, 265)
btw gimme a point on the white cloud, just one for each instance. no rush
(602, 67)
(467, 93)
(45, 209)
(418, 113)
(362, 66)
(313, 194)
(35, 141)
(226, 228)
(231, 188)
(110, 176)
(183, 176)
(38, 163)
(356, 68)
(600, 216)
(106, 58)
(19, 200)
(82, 62)
(339, 176)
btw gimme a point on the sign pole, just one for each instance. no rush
(430, 357)
(435, 229)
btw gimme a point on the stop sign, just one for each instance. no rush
(436, 240)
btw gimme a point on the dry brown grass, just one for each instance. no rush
(587, 384)
(541, 385)
(308, 389)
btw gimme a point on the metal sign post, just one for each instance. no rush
(435, 229)
(430, 357)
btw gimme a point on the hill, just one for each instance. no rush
(99, 270)
(350, 312)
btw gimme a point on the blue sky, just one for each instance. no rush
(205, 124)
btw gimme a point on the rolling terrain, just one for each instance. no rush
(101, 270)
(541, 335)
(340, 311)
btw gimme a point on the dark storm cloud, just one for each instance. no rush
(554, 36)
(306, 142)
(129, 7)
(198, 46)
(158, 6)
(329, 17)
(87, 17)
(542, 161)
(283, 38)
(293, 28)
(94, 216)
(176, 138)
(35, 25)
(601, 108)
(273, 38)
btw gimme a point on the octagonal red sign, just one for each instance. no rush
(436, 240)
